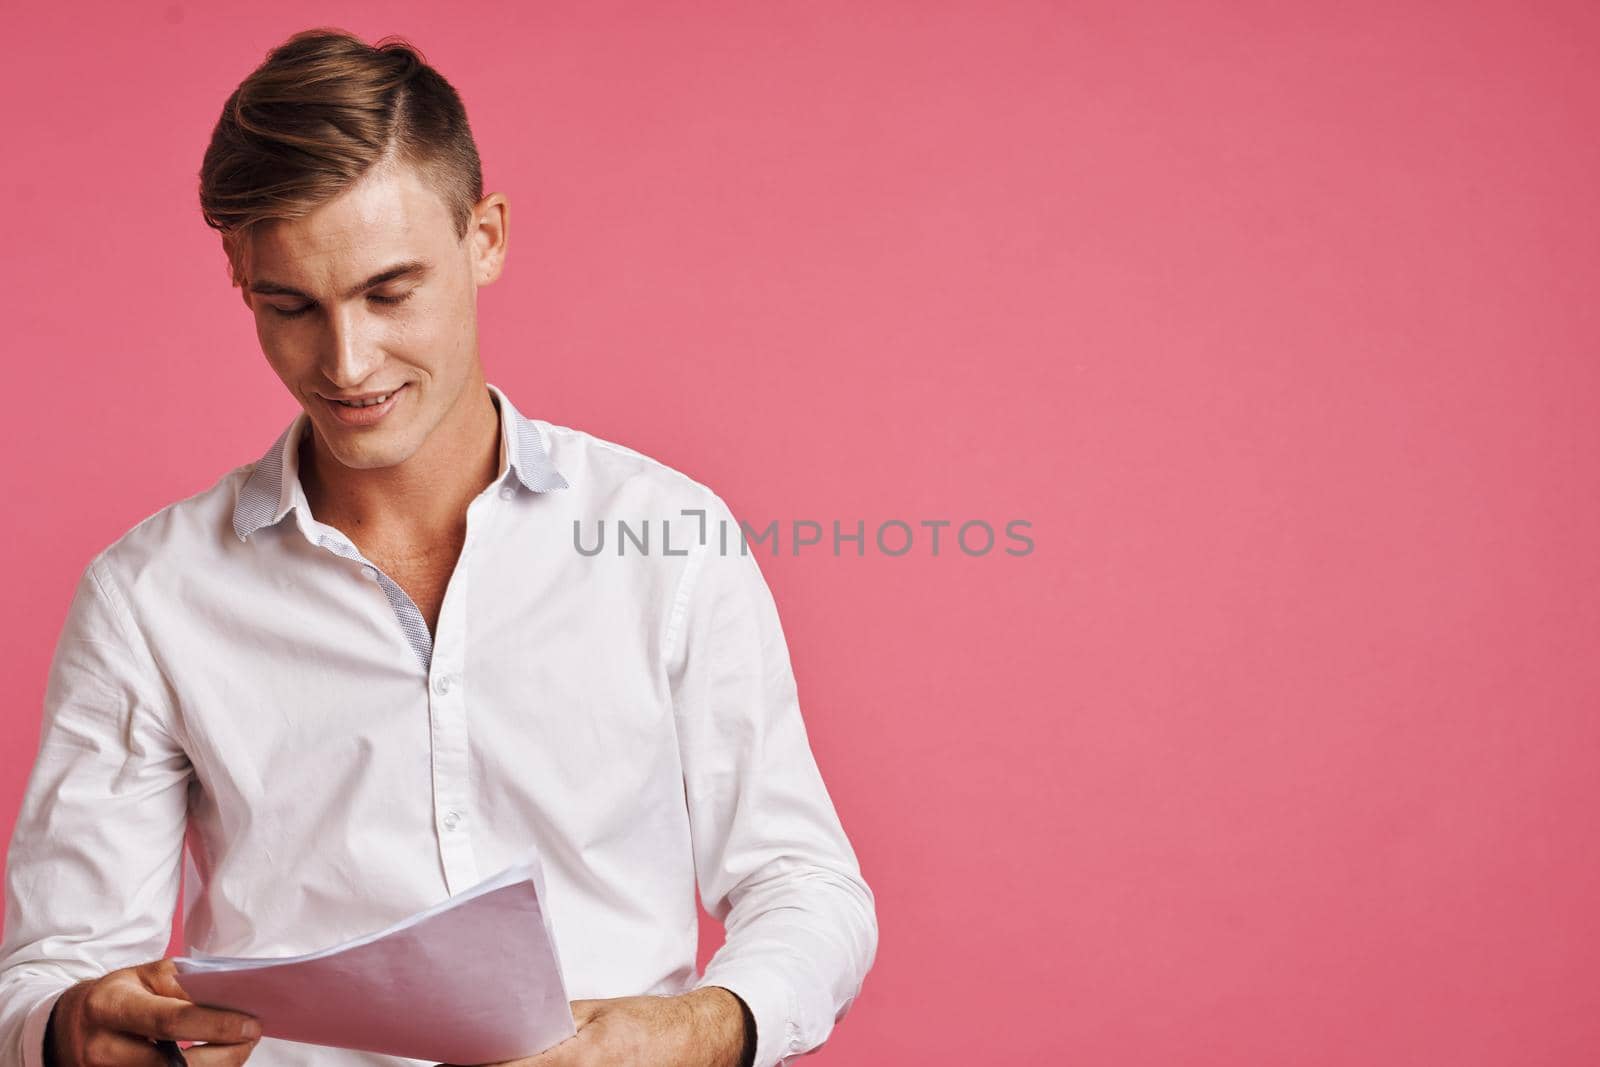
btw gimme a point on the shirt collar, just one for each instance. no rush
(273, 488)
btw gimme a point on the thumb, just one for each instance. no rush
(161, 978)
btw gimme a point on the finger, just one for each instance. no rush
(563, 1052)
(208, 1024)
(217, 1054)
(568, 1052)
(138, 1011)
(125, 1050)
(161, 978)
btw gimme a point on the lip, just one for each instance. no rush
(368, 416)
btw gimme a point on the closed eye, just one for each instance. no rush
(295, 313)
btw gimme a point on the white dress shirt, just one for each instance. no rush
(235, 677)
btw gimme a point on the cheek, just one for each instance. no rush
(403, 334)
(264, 332)
(428, 330)
(271, 341)
(287, 350)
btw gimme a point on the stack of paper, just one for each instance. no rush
(473, 979)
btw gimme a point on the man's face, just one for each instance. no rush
(331, 331)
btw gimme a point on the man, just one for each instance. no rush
(370, 669)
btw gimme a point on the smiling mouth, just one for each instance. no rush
(365, 413)
(372, 402)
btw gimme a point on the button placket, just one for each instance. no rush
(447, 707)
(448, 720)
(447, 714)
(412, 625)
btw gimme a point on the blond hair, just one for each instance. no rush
(321, 110)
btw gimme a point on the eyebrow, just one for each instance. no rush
(399, 270)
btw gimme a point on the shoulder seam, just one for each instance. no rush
(624, 450)
(163, 509)
(100, 574)
(710, 501)
(688, 578)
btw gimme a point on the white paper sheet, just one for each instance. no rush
(473, 979)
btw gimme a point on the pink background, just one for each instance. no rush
(1276, 320)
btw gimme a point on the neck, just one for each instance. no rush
(418, 501)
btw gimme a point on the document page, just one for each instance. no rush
(473, 979)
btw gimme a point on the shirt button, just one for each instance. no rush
(451, 820)
(370, 571)
(441, 684)
(507, 492)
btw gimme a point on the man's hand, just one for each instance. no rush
(702, 1028)
(114, 1020)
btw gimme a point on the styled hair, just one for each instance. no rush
(323, 109)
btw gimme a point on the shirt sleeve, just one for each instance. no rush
(773, 862)
(95, 860)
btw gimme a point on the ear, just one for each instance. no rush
(489, 232)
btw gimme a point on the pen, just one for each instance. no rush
(174, 1054)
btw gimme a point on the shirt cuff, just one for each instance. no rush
(34, 1025)
(771, 1005)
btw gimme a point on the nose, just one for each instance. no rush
(351, 352)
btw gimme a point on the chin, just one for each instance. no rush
(359, 452)
(375, 459)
